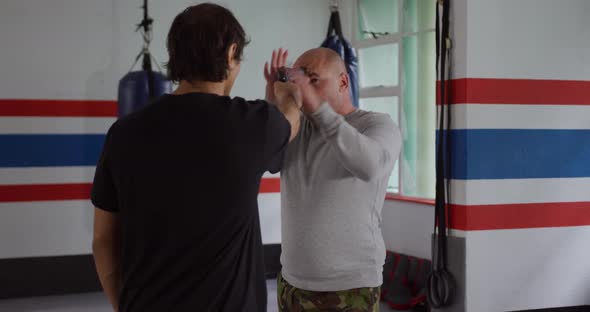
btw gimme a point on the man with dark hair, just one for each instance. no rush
(205, 58)
(176, 225)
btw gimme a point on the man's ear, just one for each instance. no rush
(231, 56)
(344, 82)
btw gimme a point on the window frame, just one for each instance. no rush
(389, 91)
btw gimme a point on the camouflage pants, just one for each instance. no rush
(293, 299)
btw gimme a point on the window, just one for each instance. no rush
(395, 41)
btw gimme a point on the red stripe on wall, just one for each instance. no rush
(520, 91)
(409, 199)
(81, 191)
(270, 185)
(57, 108)
(519, 216)
(44, 192)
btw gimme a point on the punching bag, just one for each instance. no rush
(138, 88)
(135, 91)
(336, 41)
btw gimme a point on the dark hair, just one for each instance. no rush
(199, 41)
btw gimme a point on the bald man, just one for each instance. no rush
(333, 186)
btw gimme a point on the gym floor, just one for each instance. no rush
(97, 302)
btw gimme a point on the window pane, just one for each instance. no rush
(419, 15)
(377, 16)
(378, 66)
(387, 105)
(419, 115)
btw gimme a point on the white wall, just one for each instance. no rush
(528, 268)
(407, 228)
(522, 269)
(79, 49)
(534, 39)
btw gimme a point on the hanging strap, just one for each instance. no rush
(146, 24)
(440, 283)
(147, 67)
(334, 25)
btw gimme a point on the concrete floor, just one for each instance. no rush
(96, 302)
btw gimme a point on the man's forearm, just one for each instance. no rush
(365, 155)
(289, 107)
(107, 260)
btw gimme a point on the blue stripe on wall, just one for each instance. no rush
(520, 154)
(50, 150)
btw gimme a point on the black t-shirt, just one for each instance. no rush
(183, 174)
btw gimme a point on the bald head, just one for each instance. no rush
(324, 58)
(328, 75)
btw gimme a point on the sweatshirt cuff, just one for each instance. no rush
(325, 116)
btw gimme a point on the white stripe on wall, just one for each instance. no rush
(509, 191)
(271, 175)
(498, 116)
(56, 175)
(56, 228)
(41, 229)
(407, 228)
(55, 125)
(46, 175)
(269, 206)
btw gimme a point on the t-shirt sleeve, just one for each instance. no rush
(278, 132)
(104, 193)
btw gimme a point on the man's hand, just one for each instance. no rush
(285, 90)
(278, 60)
(311, 99)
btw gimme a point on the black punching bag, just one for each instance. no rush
(138, 88)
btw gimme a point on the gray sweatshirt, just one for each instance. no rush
(333, 186)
